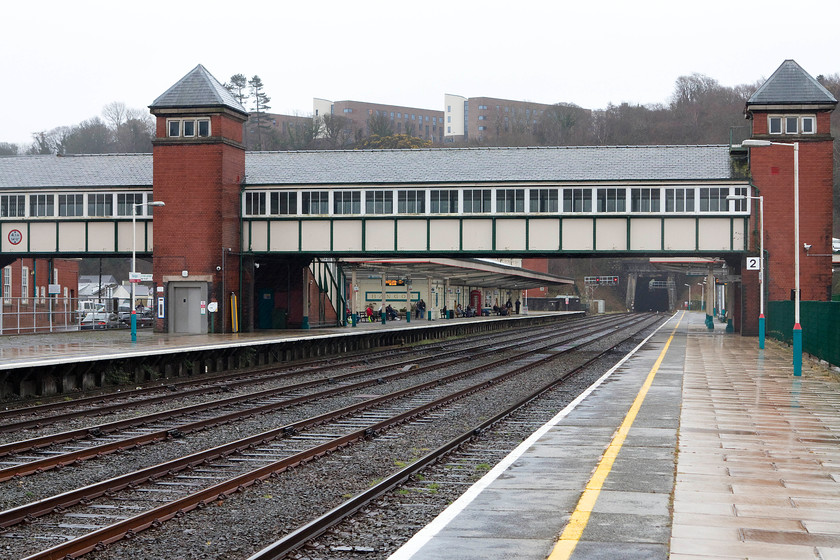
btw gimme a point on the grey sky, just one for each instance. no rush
(65, 61)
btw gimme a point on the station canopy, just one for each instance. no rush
(482, 273)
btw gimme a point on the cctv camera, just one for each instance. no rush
(218, 269)
(807, 247)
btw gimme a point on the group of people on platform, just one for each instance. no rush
(419, 310)
(507, 308)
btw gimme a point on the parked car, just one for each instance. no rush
(124, 313)
(144, 316)
(86, 307)
(102, 320)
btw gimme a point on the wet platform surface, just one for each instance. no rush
(726, 455)
(54, 348)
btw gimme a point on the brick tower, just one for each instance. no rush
(199, 164)
(792, 107)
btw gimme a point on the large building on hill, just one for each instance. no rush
(421, 123)
(484, 118)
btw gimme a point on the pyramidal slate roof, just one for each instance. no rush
(197, 89)
(791, 85)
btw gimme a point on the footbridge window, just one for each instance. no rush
(679, 200)
(443, 202)
(411, 202)
(379, 202)
(71, 205)
(510, 200)
(612, 200)
(713, 199)
(543, 200)
(127, 202)
(347, 202)
(283, 203)
(12, 206)
(316, 202)
(644, 200)
(41, 205)
(255, 203)
(477, 201)
(101, 205)
(577, 200)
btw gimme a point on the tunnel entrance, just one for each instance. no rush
(647, 299)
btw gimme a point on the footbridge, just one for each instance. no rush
(640, 200)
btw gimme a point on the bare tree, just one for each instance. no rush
(336, 131)
(115, 114)
(380, 124)
(8, 149)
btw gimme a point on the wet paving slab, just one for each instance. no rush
(755, 471)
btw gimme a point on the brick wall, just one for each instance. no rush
(772, 171)
(199, 180)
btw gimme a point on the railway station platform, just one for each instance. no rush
(42, 365)
(697, 446)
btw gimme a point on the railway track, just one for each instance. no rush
(14, 420)
(39, 454)
(213, 474)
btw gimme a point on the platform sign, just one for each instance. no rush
(54, 289)
(753, 263)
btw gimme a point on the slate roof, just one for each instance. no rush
(107, 170)
(372, 167)
(591, 163)
(197, 89)
(791, 85)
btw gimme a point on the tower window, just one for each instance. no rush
(792, 124)
(188, 128)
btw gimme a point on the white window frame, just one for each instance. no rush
(7, 285)
(15, 205)
(24, 285)
(784, 122)
(196, 124)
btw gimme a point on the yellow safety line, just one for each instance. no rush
(580, 517)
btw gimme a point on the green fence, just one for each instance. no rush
(820, 322)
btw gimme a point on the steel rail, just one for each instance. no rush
(111, 427)
(261, 373)
(300, 536)
(154, 517)
(40, 422)
(47, 505)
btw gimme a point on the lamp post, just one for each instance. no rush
(760, 199)
(689, 295)
(132, 278)
(797, 327)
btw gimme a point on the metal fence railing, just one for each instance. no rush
(55, 314)
(820, 322)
